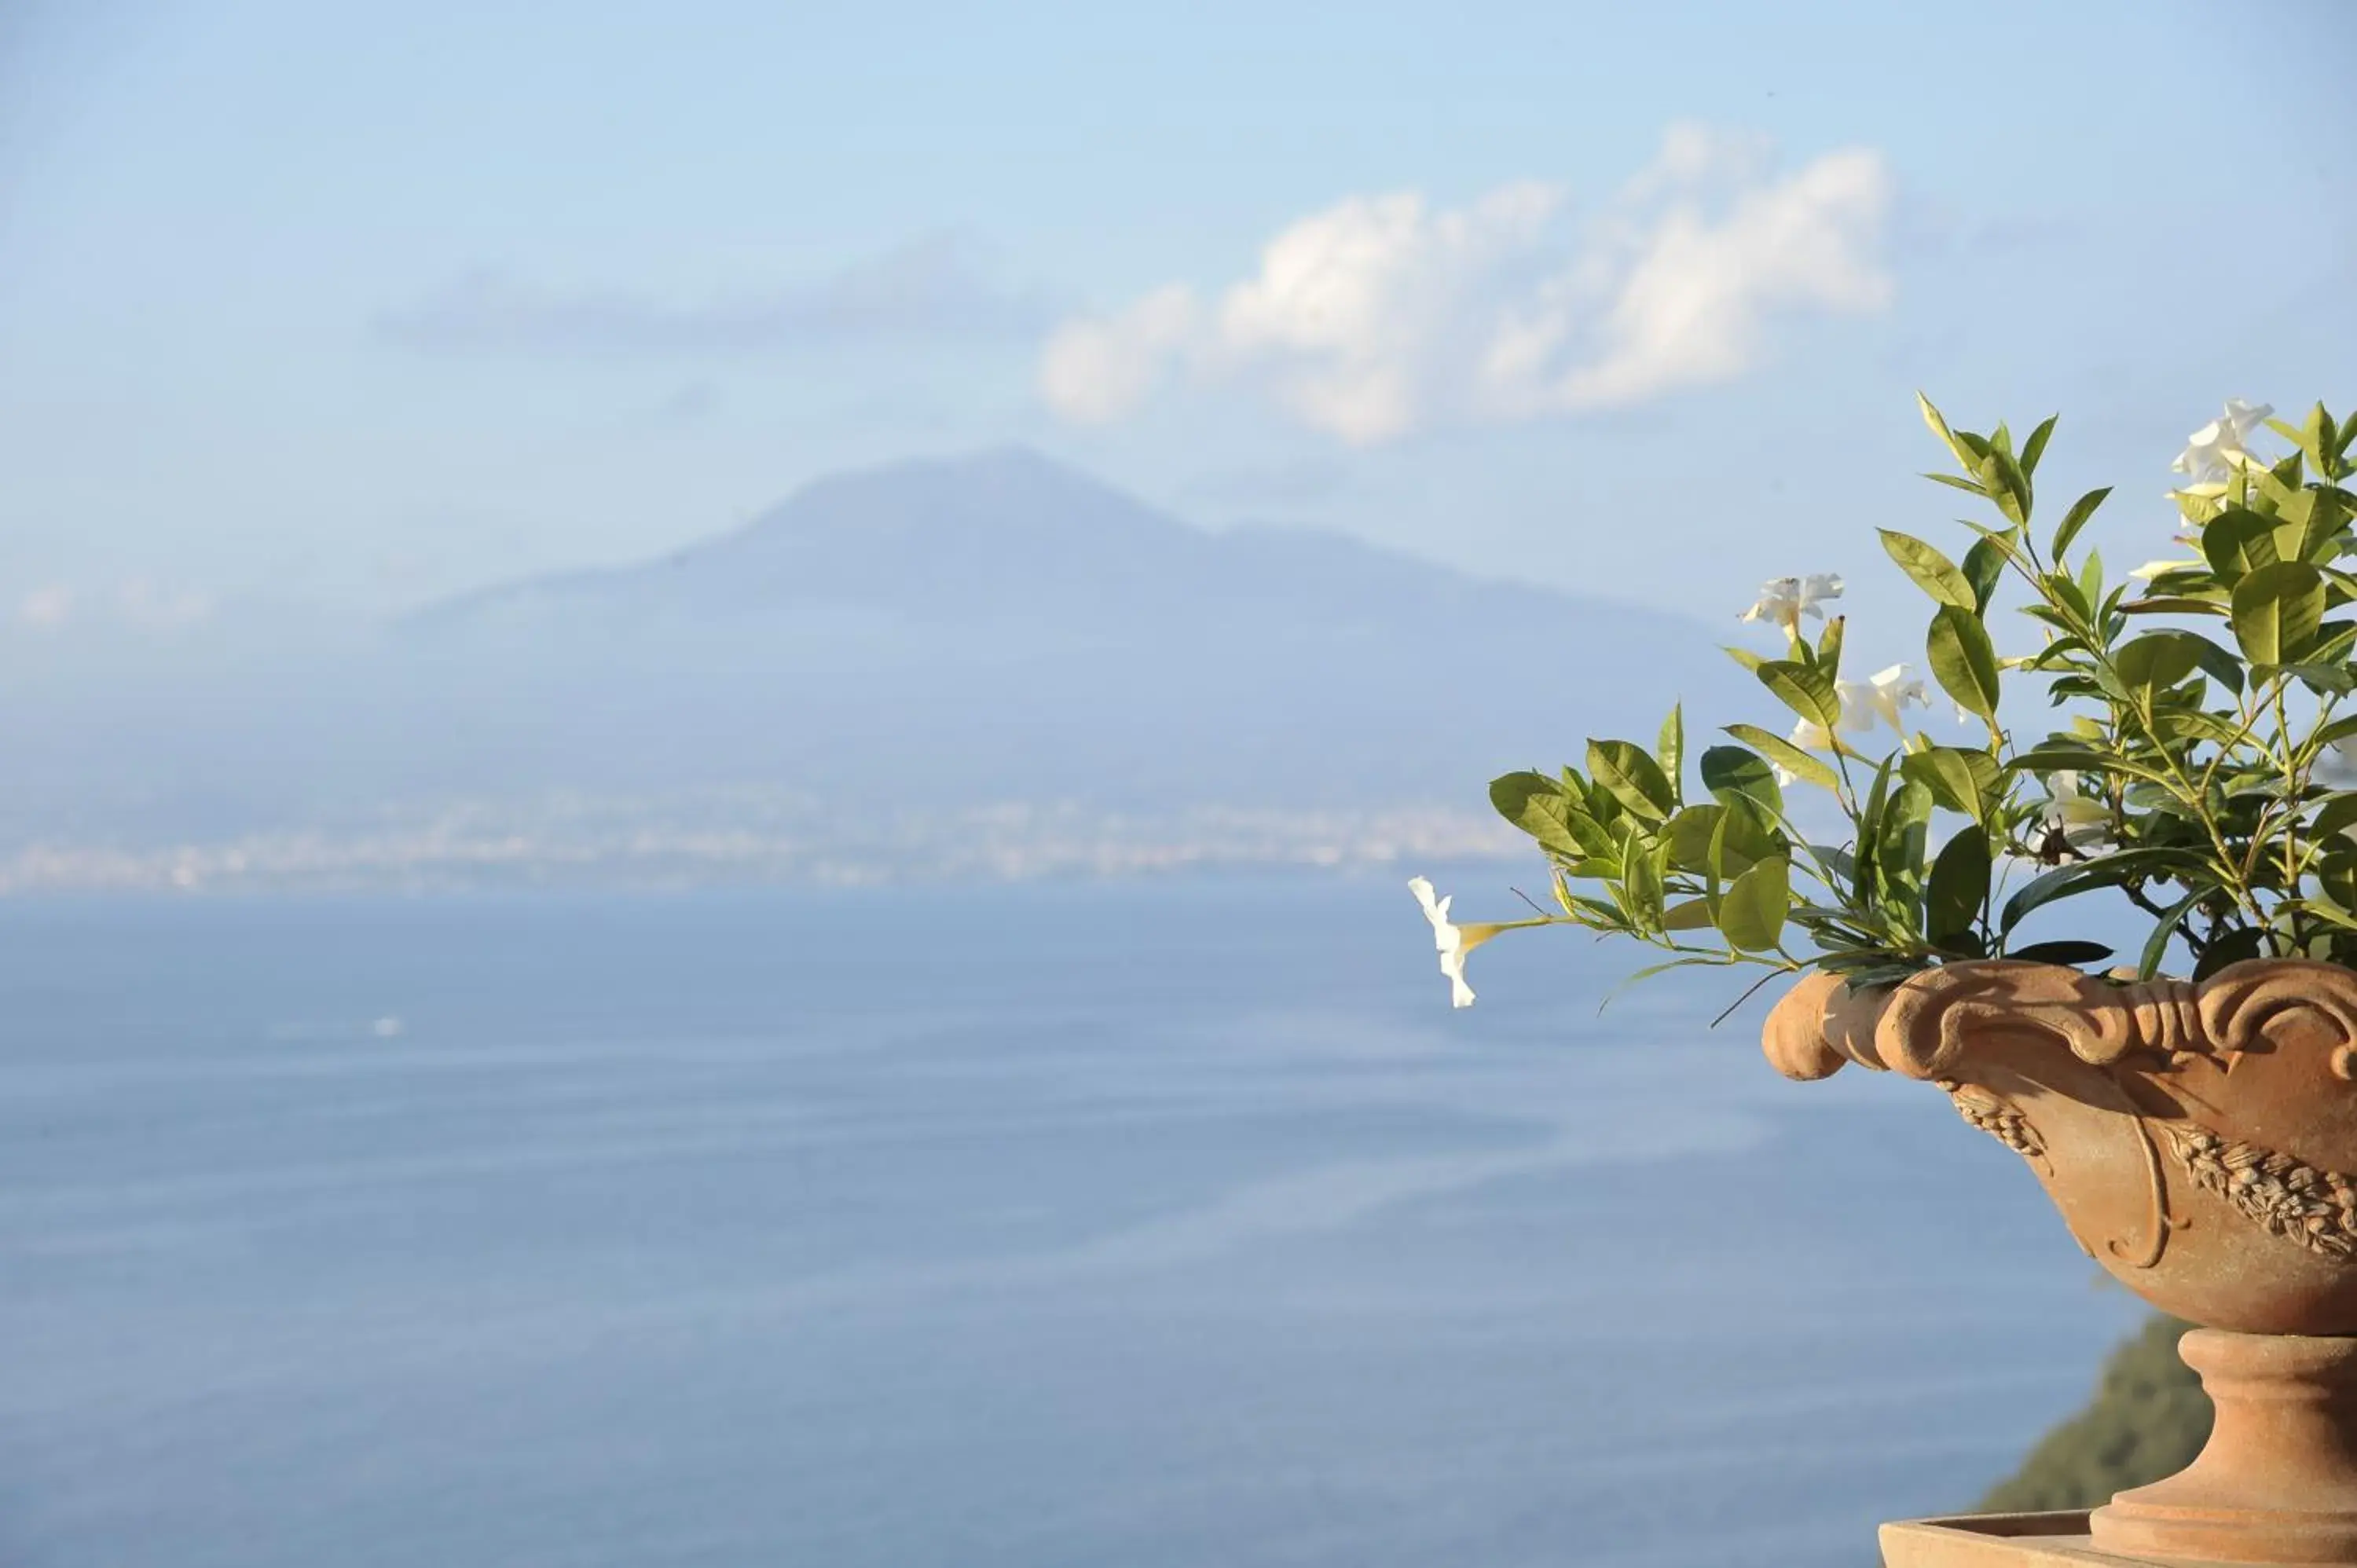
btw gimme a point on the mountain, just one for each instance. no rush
(1004, 556)
(902, 643)
(1002, 623)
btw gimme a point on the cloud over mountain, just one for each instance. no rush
(936, 288)
(1385, 315)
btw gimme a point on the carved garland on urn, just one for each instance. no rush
(2317, 1209)
(1996, 1116)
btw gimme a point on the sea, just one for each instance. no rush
(1156, 1224)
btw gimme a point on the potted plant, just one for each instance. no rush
(2193, 761)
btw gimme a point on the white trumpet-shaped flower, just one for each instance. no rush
(1453, 941)
(2084, 819)
(2213, 452)
(1884, 697)
(1784, 600)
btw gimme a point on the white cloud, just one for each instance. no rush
(47, 607)
(137, 604)
(152, 607)
(1099, 370)
(1383, 315)
(934, 289)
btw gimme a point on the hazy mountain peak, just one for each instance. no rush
(1013, 490)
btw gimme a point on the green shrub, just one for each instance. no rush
(2148, 1419)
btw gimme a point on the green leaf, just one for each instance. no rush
(1743, 837)
(2035, 448)
(2158, 658)
(2083, 876)
(1903, 843)
(1694, 915)
(2334, 678)
(1641, 885)
(2338, 815)
(2156, 946)
(1730, 771)
(2220, 665)
(1984, 569)
(1939, 427)
(1867, 881)
(2313, 436)
(1963, 781)
(1829, 645)
(2276, 611)
(1782, 751)
(1689, 836)
(1632, 778)
(2238, 542)
(2065, 587)
(2076, 519)
(1537, 804)
(1933, 573)
(2079, 759)
(2175, 605)
(2067, 952)
(2306, 525)
(2000, 474)
(1807, 690)
(1962, 661)
(1879, 975)
(1671, 745)
(2058, 754)
(1959, 886)
(2231, 948)
(1751, 914)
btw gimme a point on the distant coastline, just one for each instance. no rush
(751, 837)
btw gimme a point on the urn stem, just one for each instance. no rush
(2277, 1481)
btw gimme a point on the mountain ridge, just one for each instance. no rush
(913, 637)
(1001, 532)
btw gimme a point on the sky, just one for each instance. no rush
(349, 307)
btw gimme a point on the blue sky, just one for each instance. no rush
(350, 306)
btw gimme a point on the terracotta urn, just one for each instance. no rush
(2201, 1142)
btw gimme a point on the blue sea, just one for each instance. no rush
(1127, 1226)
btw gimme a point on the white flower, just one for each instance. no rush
(1784, 600)
(2083, 821)
(1864, 704)
(1453, 941)
(1884, 697)
(2213, 452)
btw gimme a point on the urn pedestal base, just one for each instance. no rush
(2276, 1486)
(1995, 1540)
(2277, 1481)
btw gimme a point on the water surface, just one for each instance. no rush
(1109, 1226)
